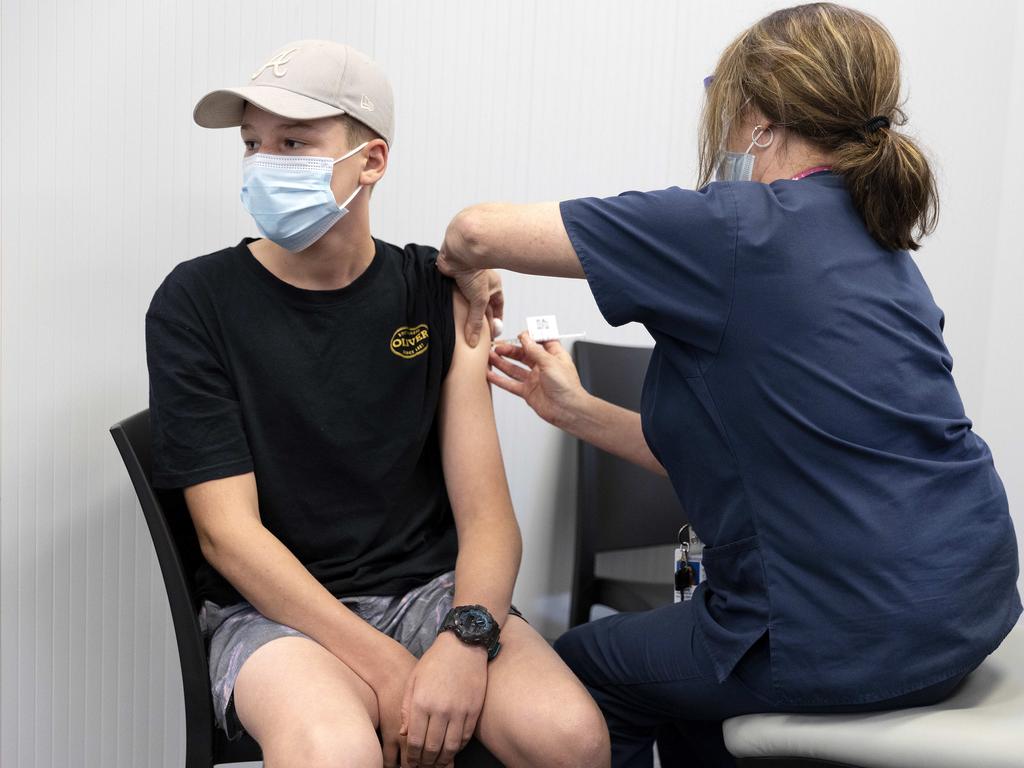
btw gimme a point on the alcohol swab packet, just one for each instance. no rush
(542, 328)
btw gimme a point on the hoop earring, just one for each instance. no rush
(758, 132)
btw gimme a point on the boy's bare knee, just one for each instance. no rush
(324, 745)
(578, 738)
(591, 746)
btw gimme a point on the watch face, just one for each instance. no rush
(473, 624)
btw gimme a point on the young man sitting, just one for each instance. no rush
(314, 394)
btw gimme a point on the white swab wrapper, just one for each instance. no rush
(542, 328)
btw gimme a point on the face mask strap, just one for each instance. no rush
(351, 152)
(346, 156)
(351, 197)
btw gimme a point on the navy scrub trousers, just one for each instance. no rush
(654, 681)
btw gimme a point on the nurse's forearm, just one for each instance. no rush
(523, 238)
(613, 429)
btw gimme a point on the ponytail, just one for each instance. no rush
(891, 184)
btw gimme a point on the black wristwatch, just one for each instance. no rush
(473, 625)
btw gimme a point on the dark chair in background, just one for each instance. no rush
(177, 551)
(619, 505)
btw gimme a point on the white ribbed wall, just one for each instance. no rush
(106, 184)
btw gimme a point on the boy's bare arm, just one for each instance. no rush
(490, 545)
(446, 690)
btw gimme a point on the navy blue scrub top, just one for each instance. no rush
(801, 398)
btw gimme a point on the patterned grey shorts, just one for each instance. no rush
(236, 631)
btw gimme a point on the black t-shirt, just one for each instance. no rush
(329, 397)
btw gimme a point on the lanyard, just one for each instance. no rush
(805, 173)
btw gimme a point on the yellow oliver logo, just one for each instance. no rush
(409, 342)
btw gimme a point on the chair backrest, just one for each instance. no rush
(619, 505)
(177, 551)
(623, 505)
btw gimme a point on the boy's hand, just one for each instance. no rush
(443, 699)
(390, 690)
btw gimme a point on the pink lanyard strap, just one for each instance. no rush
(816, 169)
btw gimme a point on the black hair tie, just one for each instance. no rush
(876, 123)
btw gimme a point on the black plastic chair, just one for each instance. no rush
(619, 505)
(178, 553)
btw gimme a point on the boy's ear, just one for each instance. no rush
(376, 162)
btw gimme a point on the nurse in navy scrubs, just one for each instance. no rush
(860, 553)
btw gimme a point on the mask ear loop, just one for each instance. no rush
(757, 133)
(346, 156)
(350, 198)
(351, 152)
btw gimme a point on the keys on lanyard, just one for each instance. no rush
(688, 564)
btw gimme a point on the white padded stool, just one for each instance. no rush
(980, 726)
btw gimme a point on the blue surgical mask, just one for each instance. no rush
(739, 166)
(290, 197)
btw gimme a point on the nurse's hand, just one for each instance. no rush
(543, 375)
(481, 287)
(483, 291)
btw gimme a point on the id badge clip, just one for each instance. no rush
(689, 558)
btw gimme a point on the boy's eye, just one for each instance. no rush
(249, 144)
(292, 143)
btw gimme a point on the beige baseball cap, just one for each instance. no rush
(306, 80)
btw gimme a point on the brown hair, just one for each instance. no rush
(357, 132)
(824, 71)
